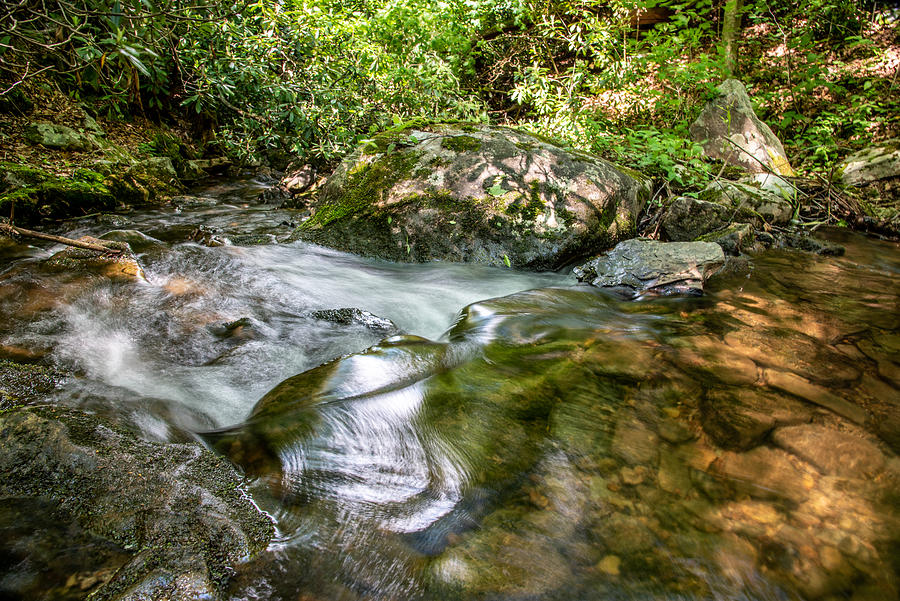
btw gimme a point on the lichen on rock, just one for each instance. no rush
(729, 130)
(474, 193)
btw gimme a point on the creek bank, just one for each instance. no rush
(175, 513)
(474, 193)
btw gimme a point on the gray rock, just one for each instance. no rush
(640, 266)
(730, 131)
(91, 125)
(733, 238)
(298, 180)
(191, 172)
(871, 165)
(214, 165)
(687, 218)
(50, 135)
(749, 202)
(805, 242)
(833, 452)
(478, 194)
(176, 509)
(354, 316)
(159, 168)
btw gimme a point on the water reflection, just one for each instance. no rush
(719, 448)
(551, 444)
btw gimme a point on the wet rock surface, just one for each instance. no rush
(121, 263)
(558, 444)
(647, 266)
(174, 514)
(695, 453)
(354, 316)
(477, 194)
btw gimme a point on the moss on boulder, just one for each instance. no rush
(474, 193)
(32, 194)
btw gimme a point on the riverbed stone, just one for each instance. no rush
(741, 418)
(729, 130)
(832, 451)
(640, 266)
(634, 442)
(763, 473)
(806, 390)
(177, 510)
(475, 193)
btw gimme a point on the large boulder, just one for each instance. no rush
(730, 131)
(174, 515)
(475, 193)
(641, 266)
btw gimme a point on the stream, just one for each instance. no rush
(479, 433)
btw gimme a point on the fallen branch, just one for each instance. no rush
(12, 230)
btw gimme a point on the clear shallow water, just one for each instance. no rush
(549, 444)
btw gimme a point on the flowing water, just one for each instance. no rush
(511, 435)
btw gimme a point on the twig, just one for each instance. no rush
(8, 229)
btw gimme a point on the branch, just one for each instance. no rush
(11, 230)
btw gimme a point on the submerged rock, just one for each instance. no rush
(176, 510)
(730, 131)
(477, 194)
(121, 265)
(832, 451)
(645, 266)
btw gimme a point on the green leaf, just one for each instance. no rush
(496, 190)
(506, 261)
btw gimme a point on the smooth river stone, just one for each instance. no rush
(764, 473)
(634, 442)
(797, 386)
(833, 452)
(740, 418)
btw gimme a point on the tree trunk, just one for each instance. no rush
(731, 28)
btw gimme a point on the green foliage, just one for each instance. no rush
(314, 77)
